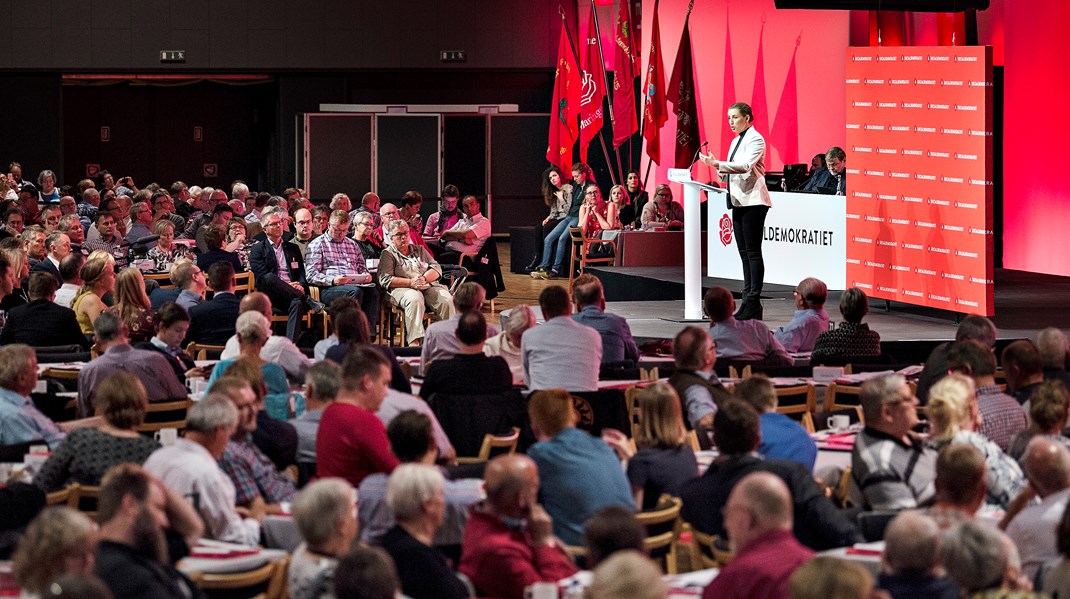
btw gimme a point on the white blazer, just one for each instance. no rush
(746, 172)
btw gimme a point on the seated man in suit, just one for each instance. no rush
(42, 323)
(58, 245)
(279, 271)
(470, 371)
(741, 340)
(832, 179)
(617, 342)
(212, 322)
(116, 354)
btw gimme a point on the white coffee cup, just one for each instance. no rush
(541, 590)
(840, 422)
(166, 436)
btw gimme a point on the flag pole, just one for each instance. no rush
(609, 102)
(572, 44)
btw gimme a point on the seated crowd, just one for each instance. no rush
(371, 476)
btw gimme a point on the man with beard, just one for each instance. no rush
(145, 527)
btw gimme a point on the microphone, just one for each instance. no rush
(697, 152)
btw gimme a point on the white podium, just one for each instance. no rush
(692, 240)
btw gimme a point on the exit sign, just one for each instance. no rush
(172, 56)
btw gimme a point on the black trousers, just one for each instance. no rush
(285, 297)
(748, 222)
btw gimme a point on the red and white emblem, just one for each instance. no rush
(726, 230)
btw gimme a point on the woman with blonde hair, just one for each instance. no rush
(20, 267)
(60, 540)
(830, 578)
(98, 280)
(662, 461)
(167, 252)
(618, 200)
(956, 419)
(132, 305)
(627, 575)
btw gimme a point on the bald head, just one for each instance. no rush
(1047, 465)
(811, 293)
(256, 302)
(760, 502)
(912, 544)
(512, 483)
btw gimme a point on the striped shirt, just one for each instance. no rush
(891, 474)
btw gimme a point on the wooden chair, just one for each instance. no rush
(62, 496)
(84, 499)
(746, 373)
(152, 425)
(579, 252)
(797, 399)
(278, 586)
(663, 530)
(650, 374)
(692, 440)
(492, 442)
(843, 489)
(396, 320)
(199, 351)
(631, 397)
(163, 278)
(240, 580)
(705, 551)
(245, 283)
(839, 396)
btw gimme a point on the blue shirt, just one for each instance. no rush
(579, 474)
(187, 299)
(617, 342)
(277, 400)
(785, 439)
(21, 421)
(800, 334)
(747, 341)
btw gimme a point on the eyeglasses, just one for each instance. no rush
(399, 234)
(273, 224)
(591, 193)
(664, 195)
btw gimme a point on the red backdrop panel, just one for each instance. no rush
(919, 147)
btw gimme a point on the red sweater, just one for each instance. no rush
(501, 561)
(351, 443)
(761, 569)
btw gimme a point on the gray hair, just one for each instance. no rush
(253, 326)
(320, 507)
(521, 318)
(835, 152)
(14, 359)
(976, 556)
(323, 380)
(409, 487)
(1053, 346)
(393, 226)
(878, 391)
(339, 216)
(336, 197)
(43, 174)
(977, 328)
(239, 189)
(627, 575)
(912, 543)
(213, 412)
(69, 221)
(107, 326)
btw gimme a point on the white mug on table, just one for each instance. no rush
(839, 422)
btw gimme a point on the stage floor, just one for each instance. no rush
(1025, 304)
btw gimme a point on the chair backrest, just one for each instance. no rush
(467, 419)
(663, 530)
(165, 414)
(84, 499)
(490, 443)
(796, 399)
(706, 550)
(200, 351)
(240, 580)
(62, 496)
(839, 396)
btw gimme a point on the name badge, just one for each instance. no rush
(293, 264)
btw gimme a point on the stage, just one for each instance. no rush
(648, 296)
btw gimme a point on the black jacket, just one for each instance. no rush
(212, 322)
(262, 262)
(42, 323)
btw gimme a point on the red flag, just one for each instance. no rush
(594, 87)
(655, 111)
(682, 95)
(564, 128)
(784, 136)
(758, 102)
(729, 97)
(627, 64)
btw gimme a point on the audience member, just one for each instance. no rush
(507, 343)
(132, 305)
(413, 279)
(117, 355)
(190, 467)
(166, 252)
(469, 371)
(143, 523)
(366, 573)
(612, 529)
(910, 564)
(447, 214)
(397, 402)
(335, 263)
(351, 330)
(98, 280)
(758, 519)
(1055, 576)
(560, 353)
(741, 340)
(58, 245)
(627, 575)
(364, 234)
(303, 231)
(70, 274)
(810, 319)
(1023, 368)
(1047, 464)
(172, 324)
(827, 577)
(216, 244)
(277, 350)
(20, 420)
(617, 342)
(415, 496)
(440, 341)
(973, 327)
(892, 467)
(737, 434)
(508, 541)
(190, 286)
(351, 442)
(468, 234)
(212, 322)
(87, 453)
(782, 437)
(1054, 348)
(579, 473)
(279, 271)
(984, 563)
(60, 540)
(851, 341)
(961, 485)
(276, 438)
(324, 514)
(1001, 416)
(954, 417)
(1049, 410)
(321, 387)
(42, 323)
(694, 380)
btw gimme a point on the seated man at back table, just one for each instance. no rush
(440, 339)
(560, 353)
(810, 318)
(831, 180)
(335, 263)
(469, 372)
(617, 342)
(741, 340)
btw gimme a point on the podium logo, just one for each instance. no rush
(726, 229)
